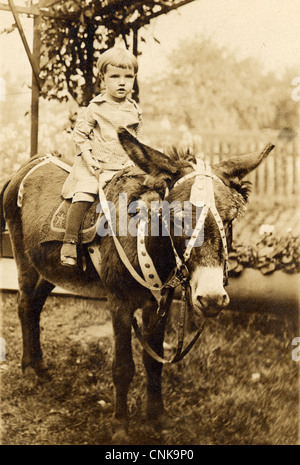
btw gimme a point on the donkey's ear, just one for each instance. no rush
(149, 160)
(239, 167)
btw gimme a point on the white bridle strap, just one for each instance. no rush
(195, 234)
(194, 173)
(212, 207)
(202, 194)
(146, 263)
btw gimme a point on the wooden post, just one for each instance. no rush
(135, 53)
(23, 37)
(35, 89)
(34, 59)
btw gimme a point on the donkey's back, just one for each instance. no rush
(29, 200)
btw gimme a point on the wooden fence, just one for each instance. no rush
(277, 175)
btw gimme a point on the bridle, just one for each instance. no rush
(202, 195)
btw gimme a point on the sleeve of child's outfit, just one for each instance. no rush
(83, 128)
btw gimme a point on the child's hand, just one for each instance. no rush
(92, 164)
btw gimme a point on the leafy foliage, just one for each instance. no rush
(205, 86)
(71, 41)
(268, 255)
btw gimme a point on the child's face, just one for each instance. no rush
(118, 82)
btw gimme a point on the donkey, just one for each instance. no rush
(155, 177)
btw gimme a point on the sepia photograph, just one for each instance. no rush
(150, 225)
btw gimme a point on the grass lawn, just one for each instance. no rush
(238, 385)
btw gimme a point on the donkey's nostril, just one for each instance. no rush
(213, 301)
(226, 300)
(222, 300)
(203, 301)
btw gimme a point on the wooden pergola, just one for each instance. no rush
(37, 11)
(43, 9)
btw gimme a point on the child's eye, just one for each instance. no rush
(129, 76)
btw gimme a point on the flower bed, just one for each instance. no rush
(268, 255)
(265, 277)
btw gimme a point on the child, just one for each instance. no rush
(95, 136)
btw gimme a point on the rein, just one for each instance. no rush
(177, 277)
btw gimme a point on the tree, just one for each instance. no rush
(207, 87)
(287, 110)
(73, 39)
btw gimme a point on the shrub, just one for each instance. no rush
(268, 255)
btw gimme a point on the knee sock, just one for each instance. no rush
(74, 220)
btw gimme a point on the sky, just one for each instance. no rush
(268, 30)
(265, 29)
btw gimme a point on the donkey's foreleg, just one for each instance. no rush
(155, 337)
(123, 372)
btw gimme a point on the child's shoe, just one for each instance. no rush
(68, 254)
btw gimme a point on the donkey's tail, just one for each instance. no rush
(2, 217)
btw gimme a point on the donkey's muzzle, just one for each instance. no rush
(212, 305)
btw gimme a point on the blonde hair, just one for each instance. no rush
(119, 57)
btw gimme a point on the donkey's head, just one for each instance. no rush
(207, 200)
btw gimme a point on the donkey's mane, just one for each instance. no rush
(184, 157)
(181, 156)
(136, 185)
(243, 188)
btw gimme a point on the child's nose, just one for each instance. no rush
(122, 81)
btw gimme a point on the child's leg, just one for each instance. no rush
(74, 220)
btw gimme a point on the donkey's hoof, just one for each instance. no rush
(31, 376)
(37, 374)
(120, 438)
(119, 432)
(43, 376)
(162, 422)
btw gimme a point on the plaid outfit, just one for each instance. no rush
(96, 130)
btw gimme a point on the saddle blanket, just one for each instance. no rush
(55, 226)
